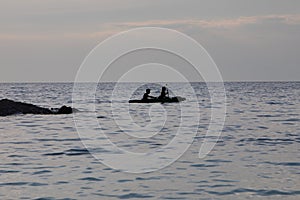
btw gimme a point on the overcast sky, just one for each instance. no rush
(249, 40)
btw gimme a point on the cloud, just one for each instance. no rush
(108, 29)
(218, 23)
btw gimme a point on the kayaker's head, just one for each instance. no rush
(148, 91)
(163, 88)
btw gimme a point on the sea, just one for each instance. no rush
(256, 156)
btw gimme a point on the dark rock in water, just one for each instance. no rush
(9, 107)
(65, 110)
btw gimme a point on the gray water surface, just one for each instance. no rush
(256, 157)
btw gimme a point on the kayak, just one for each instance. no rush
(165, 100)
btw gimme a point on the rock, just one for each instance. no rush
(65, 110)
(9, 107)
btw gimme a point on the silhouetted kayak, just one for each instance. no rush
(166, 100)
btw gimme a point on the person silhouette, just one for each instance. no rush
(146, 96)
(163, 93)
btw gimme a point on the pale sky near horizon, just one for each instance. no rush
(45, 41)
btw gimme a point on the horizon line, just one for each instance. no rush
(228, 81)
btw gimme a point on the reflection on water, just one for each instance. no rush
(42, 157)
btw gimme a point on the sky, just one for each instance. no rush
(47, 41)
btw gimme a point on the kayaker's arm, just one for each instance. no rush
(152, 97)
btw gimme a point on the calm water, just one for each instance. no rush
(257, 156)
